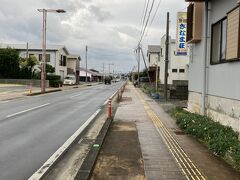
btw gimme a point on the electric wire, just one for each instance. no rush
(143, 17)
(149, 14)
(153, 18)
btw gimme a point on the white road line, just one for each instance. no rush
(27, 110)
(75, 96)
(1, 102)
(39, 174)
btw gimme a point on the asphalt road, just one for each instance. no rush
(32, 129)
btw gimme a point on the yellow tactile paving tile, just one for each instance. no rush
(188, 168)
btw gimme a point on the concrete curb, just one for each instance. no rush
(49, 164)
(87, 167)
(39, 93)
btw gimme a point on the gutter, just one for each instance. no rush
(203, 108)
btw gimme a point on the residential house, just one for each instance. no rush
(153, 54)
(214, 69)
(56, 55)
(73, 66)
(92, 75)
(177, 66)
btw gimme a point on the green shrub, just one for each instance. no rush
(53, 77)
(54, 80)
(222, 140)
(55, 83)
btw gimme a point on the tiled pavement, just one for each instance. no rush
(167, 154)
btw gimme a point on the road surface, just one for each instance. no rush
(32, 129)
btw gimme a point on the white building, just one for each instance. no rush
(214, 69)
(153, 55)
(177, 66)
(56, 55)
(73, 65)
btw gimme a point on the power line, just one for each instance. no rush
(153, 16)
(143, 17)
(149, 14)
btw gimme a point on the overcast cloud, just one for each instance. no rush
(109, 27)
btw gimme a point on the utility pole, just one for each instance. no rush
(27, 51)
(109, 68)
(166, 60)
(145, 65)
(43, 73)
(103, 71)
(86, 80)
(138, 51)
(44, 33)
(156, 88)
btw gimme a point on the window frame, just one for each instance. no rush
(238, 53)
(181, 70)
(220, 61)
(174, 70)
(226, 60)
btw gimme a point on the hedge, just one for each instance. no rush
(222, 140)
(54, 80)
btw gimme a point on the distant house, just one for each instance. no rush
(73, 65)
(153, 54)
(56, 55)
(214, 69)
(92, 75)
(177, 66)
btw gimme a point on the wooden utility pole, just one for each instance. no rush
(138, 51)
(146, 66)
(166, 60)
(86, 80)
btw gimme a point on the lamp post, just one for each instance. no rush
(44, 32)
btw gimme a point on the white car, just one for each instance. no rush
(69, 80)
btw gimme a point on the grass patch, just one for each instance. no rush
(221, 140)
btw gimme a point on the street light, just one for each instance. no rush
(43, 73)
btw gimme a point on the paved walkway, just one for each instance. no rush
(167, 152)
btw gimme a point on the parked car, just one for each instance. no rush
(69, 80)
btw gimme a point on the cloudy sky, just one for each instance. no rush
(110, 28)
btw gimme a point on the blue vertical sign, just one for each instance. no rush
(181, 34)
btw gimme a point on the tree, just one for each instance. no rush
(9, 63)
(50, 69)
(27, 66)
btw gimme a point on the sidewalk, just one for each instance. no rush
(164, 150)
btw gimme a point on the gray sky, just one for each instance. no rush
(110, 28)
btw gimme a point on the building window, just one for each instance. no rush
(63, 61)
(47, 57)
(161, 52)
(174, 70)
(182, 70)
(219, 41)
(233, 42)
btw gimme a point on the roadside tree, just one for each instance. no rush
(9, 63)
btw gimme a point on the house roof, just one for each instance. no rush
(74, 56)
(34, 47)
(91, 72)
(154, 49)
